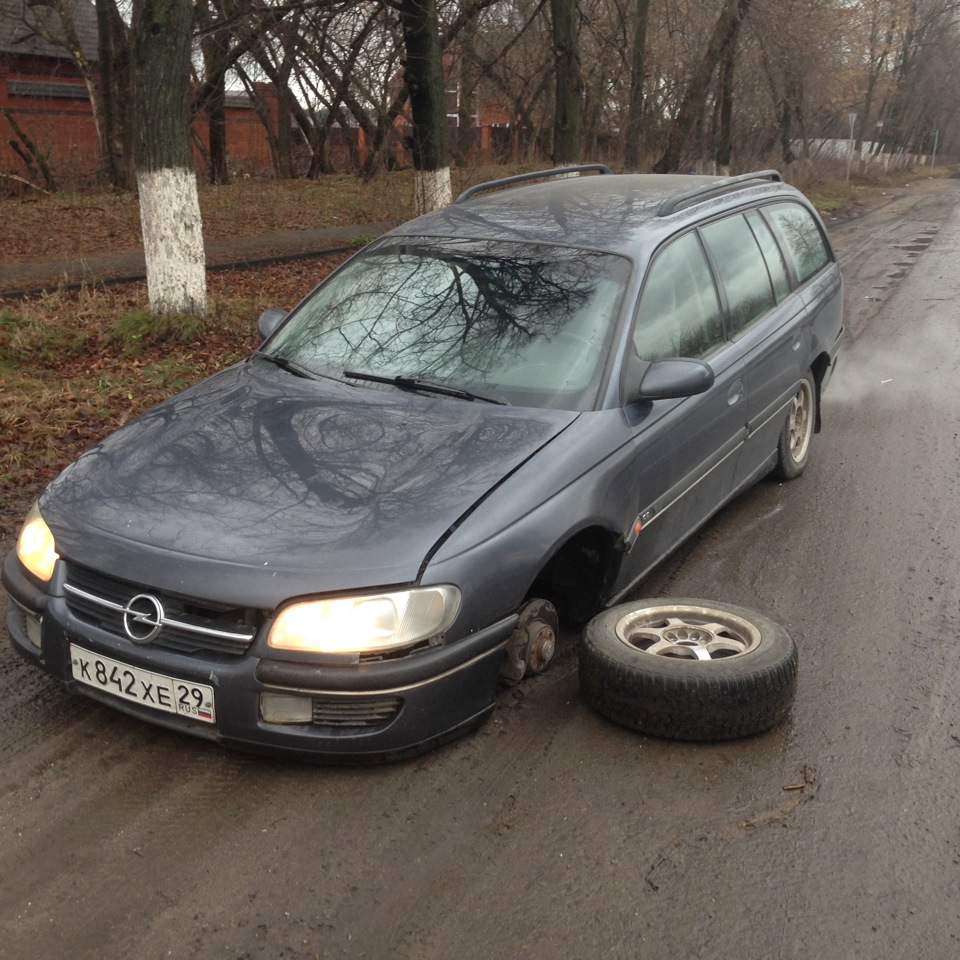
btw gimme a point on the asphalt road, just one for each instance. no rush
(552, 833)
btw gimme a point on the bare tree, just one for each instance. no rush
(106, 76)
(691, 109)
(569, 82)
(638, 62)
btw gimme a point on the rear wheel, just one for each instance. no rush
(793, 450)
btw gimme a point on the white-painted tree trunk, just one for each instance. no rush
(432, 190)
(173, 241)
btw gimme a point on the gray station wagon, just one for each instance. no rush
(494, 419)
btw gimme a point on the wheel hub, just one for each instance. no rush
(533, 644)
(684, 633)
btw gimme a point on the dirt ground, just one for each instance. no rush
(551, 832)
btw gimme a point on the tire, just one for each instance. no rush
(793, 450)
(688, 669)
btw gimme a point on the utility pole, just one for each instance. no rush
(853, 121)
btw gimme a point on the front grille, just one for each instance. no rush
(354, 713)
(190, 626)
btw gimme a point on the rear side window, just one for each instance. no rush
(679, 314)
(800, 238)
(742, 269)
(771, 253)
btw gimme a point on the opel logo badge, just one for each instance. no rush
(143, 618)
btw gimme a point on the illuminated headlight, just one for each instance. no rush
(35, 548)
(377, 623)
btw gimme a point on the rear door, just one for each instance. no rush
(768, 320)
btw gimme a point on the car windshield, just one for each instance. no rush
(519, 323)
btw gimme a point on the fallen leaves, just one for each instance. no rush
(67, 379)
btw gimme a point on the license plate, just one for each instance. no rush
(169, 694)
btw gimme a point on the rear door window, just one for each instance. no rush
(742, 269)
(800, 238)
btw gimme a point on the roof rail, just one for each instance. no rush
(710, 190)
(471, 192)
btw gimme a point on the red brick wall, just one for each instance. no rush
(61, 128)
(248, 149)
(63, 131)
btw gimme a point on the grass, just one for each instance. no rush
(75, 365)
(138, 329)
(47, 227)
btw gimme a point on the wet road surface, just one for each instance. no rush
(551, 832)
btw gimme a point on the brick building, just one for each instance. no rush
(45, 106)
(42, 94)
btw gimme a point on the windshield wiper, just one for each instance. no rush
(291, 366)
(426, 386)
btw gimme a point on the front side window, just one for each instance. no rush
(800, 237)
(523, 323)
(678, 314)
(742, 269)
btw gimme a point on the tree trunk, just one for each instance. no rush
(215, 47)
(285, 167)
(113, 51)
(29, 153)
(169, 205)
(631, 147)
(423, 73)
(469, 76)
(108, 85)
(724, 35)
(724, 151)
(217, 135)
(567, 111)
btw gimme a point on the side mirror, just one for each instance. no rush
(270, 319)
(673, 379)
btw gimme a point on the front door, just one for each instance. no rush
(685, 451)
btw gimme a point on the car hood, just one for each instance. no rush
(255, 486)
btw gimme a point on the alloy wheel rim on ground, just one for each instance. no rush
(687, 632)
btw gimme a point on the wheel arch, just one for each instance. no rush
(577, 575)
(819, 368)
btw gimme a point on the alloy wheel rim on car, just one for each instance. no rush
(800, 421)
(687, 633)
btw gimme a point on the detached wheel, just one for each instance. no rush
(793, 451)
(688, 669)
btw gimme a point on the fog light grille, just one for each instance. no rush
(23, 624)
(18, 618)
(354, 713)
(340, 712)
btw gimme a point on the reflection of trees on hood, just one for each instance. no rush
(239, 473)
(460, 313)
(376, 469)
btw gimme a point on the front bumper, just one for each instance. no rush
(378, 710)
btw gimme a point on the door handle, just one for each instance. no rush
(736, 393)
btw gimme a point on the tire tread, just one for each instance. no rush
(745, 695)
